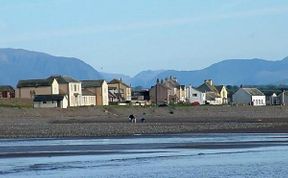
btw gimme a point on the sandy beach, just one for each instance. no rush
(113, 121)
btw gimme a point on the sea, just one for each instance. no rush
(177, 155)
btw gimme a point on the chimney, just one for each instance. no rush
(158, 81)
(209, 82)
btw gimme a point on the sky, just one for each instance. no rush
(128, 36)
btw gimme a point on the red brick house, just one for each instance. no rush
(7, 91)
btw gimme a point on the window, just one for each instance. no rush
(194, 94)
(75, 87)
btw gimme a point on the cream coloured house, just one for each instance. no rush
(178, 92)
(88, 98)
(215, 94)
(30, 88)
(99, 88)
(121, 90)
(70, 87)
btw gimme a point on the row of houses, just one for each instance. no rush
(63, 92)
(169, 91)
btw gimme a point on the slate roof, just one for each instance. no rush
(45, 82)
(205, 87)
(253, 91)
(6, 88)
(86, 92)
(161, 85)
(171, 84)
(219, 87)
(39, 98)
(63, 79)
(92, 83)
(196, 89)
(114, 81)
(34, 83)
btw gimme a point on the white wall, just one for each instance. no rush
(195, 95)
(259, 100)
(75, 94)
(55, 87)
(105, 95)
(88, 100)
(64, 103)
(51, 104)
(217, 101)
(242, 97)
(48, 104)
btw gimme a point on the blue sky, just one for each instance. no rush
(128, 36)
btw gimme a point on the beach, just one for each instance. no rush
(113, 121)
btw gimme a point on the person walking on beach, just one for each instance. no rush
(132, 118)
(143, 118)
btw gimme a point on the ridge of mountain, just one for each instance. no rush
(17, 64)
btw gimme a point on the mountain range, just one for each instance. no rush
(17, 64)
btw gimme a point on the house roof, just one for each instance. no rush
(195, 89)
(86, 92)
(285, 93)
(219, 87)
(253, 91)
(161, 85)
(34, 83)
(6, 88)
(63, 79)
(92, 83)
(205, 87)
(38, 98)
(45, 82)
(114, 81)
(171, 84)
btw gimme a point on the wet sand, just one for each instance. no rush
(113, 121)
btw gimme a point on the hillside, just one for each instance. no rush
(16, 64)
(233, 72)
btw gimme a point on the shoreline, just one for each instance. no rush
(88, 122)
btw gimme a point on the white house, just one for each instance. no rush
(71, 87)
(215, 94)
(249, 96)
(195, 96)
(50, 101)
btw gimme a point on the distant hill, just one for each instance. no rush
(16, 64)
(145, 78)
(233, 72)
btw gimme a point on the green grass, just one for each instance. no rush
(16, 103)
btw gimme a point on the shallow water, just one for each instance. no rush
(183, 155)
